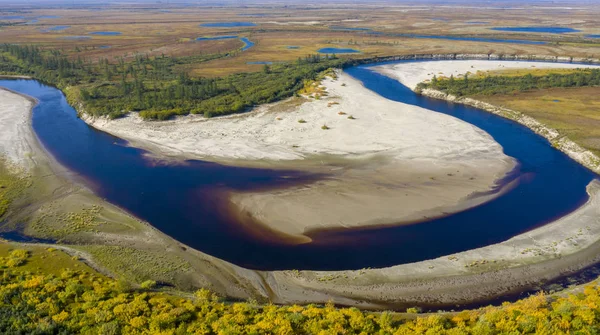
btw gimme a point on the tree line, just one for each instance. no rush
(490, 85)
(154, 87)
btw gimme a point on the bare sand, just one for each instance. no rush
(15, 130)
(393, 163)
(411, 74)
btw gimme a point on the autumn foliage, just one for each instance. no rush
(85, 303)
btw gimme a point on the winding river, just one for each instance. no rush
(187, 201)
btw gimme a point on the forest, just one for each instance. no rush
(490, 85)
(155, 88)
(67, 299)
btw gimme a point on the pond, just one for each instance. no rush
(227, 24)
(550, 30)
(54, 28)
(337, 51)
(105, 33)
(259, 63)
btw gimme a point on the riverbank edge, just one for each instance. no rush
(558, 141)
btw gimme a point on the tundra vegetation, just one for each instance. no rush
(490, 85)
(44, 291)
(565, 100)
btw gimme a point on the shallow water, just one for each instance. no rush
(227, 24)
(550, 30)
(186, 201)
(337, 51)
(106, 33)
(54, 28)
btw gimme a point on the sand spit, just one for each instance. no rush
(392, 163)
(413, 73)
(15, 130)
(520, 263)
(412, 76)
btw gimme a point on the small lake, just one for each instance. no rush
(104, 47)
(292, 47)
(54, 28)
(227, 24)
(105, 33)
(550, 30)
(337, 51)
(259, 63)
(592, 36)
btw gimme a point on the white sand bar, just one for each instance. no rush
(412, 73)
(15, 133)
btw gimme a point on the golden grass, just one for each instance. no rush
(574, 112)
(47, 260)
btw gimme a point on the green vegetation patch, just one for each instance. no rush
(153, 86)
(490, 85)
(11, 187)
(138, 265)
(76, 301)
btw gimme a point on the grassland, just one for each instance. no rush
(574, 112)
(171, 30)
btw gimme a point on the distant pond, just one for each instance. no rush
(54, 28)
(106, 33)
(337, 51)
(227, 24)
(551, 30)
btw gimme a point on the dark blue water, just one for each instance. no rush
(228, 24)
(592, 36)
(187, 201)
(550, 30)
(106, 33)
(337, 51)
(292, 47)
(54, 28)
